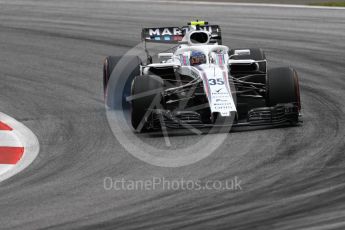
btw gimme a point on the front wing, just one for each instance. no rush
(279, 115)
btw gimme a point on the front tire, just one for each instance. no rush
(283, 87)
(117, 85)
(108, 66)
(147, 95)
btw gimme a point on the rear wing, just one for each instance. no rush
(173, 35)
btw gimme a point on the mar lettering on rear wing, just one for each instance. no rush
(175, 34)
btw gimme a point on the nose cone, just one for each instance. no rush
(217, 88)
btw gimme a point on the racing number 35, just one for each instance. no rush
(218, 81)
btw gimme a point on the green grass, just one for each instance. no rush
(341, 3)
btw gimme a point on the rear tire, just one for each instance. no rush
(140, 114)
(283, 87)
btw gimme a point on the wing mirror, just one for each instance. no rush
(241, 52)
(237, 53)
(242, 62)
(163, 57)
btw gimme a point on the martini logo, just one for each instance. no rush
(174, 31)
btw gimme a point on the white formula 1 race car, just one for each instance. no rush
(201, 83)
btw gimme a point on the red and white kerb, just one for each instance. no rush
(11, 150)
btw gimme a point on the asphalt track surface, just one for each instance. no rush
(297, 2)
(50, 74)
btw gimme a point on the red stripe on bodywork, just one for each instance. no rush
(10, 155)
(3, 126)
(220, 58)
(298, 96)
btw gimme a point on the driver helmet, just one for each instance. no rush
(197, 58)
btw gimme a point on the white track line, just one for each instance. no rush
(4, 168)
(26, 139)
(235, 4)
